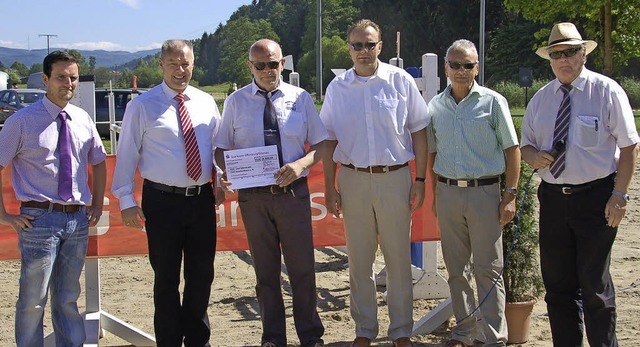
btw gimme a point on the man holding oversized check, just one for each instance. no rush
(267, 124)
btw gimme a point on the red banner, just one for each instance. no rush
(115, 239)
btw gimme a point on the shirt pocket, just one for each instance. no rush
(294, 124)
(394, 114)
(587, 131)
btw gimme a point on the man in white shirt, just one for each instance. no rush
(167, 134)
(579, 132)
(277, 218)
(376, 118)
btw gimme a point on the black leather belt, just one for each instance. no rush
(45, 205)
(184, 191)
(469, 183)
(276, 189)
(376, 169)
(569, 189)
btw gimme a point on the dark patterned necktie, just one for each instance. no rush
(270, 121)
(561, 131)
(65, 174)
(194, 166)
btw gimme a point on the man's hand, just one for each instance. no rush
(542, 159)
(333, 201)
(133, 217)
(615, 210)
(507, 208)
(288, 173)
(16, 221)
(416, 195)
(93, 214)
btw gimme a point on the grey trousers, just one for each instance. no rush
(469, 224)
(376, 210)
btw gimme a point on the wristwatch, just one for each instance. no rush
(625, 196)
(512, 190)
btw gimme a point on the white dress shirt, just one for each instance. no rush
(601, 122)
(152, 140)
(242, 121)
(372, 119)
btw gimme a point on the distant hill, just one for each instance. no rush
(103, 58)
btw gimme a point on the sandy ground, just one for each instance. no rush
(126, 284)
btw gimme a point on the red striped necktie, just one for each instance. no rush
(194, 166)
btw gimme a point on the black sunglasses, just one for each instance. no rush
(261, 65)
(569, 52)
(358, 46)
(456, 66)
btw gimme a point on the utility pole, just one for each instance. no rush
(48, 36)
(319, 52)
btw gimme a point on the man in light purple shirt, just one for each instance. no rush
(57, 206)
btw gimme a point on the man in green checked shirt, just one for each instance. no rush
(472, 141)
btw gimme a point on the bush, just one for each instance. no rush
(515, 94)
(632, 87)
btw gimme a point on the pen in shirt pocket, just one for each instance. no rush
(596, 125)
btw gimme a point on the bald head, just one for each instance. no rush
(265, 46)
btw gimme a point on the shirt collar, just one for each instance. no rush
(475, 89)
(255, 88)
(382, 72)
(579, 83)
(171, 94)
(52, 109)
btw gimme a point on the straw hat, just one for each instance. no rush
(565, 34)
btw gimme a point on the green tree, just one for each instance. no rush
(21, 69)
(335, 55)
(613, 24)
(236, 38)
(37, 67)
(103, 76)
(92, 63)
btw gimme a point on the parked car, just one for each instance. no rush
(120, 97)
(12, 100)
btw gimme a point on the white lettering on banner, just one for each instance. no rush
(321, 207)
(234, 206)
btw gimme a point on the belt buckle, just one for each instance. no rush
(192, 191)
(462, 183)
(566, 190)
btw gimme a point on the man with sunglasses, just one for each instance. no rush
(583, 194)
(472, 142)
(277, 218)
(376, 118)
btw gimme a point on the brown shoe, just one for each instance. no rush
(456, 343)
(402, 342)
(361, 342)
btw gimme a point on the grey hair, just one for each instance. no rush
(461, 45)
(174, 45)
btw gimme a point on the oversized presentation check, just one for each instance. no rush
(251, 167)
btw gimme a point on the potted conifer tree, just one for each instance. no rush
(522, 278)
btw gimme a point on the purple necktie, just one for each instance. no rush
(65, 183)
(561, 131)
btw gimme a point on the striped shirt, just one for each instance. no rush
(470, 137)
(29, 141)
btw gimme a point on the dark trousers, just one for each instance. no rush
(275, 222)
(180, 226)
(575, 253)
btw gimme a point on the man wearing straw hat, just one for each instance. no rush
(579, 132)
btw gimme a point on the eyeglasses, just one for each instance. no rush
(569, 52)
(358, 46)
(262, 65)
(457, 66)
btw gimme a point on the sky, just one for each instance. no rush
(111, 25)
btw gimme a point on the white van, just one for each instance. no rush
(35, 81)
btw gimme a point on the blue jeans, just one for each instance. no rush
(52, 255)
